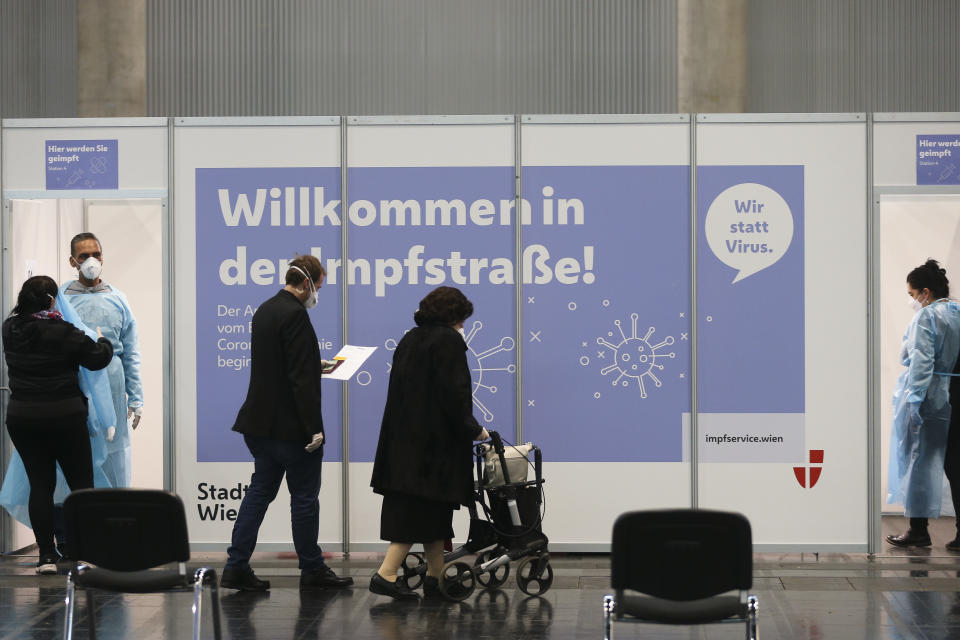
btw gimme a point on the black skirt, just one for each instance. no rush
(410, 519)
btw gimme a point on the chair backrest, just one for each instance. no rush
(681, 554)
(126, 529)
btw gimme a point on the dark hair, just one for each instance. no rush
(35, 295)
(929, 275)
(309, 264)
(443, 305)
(80, 237)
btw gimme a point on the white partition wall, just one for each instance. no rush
(916, 149)
(108, 176)
(916, 215)
(250, 194)
(89, 154)
(431, 203)
(678, 313)
(6, 447)
(782, 291)
(605, 307)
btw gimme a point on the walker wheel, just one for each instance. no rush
(458, 581)
(495, 578)
(412, 571)
(535, 575)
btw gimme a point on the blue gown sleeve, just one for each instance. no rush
(131, 357)
(922, 359)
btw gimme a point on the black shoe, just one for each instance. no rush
(242, 580)
(954, 545)
(431, 588)
(910, 539)
(396, 590)
(323, 579)
(47, 565)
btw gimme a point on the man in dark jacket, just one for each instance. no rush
(282, 426)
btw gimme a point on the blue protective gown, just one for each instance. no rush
(95, 385)
(921, 409)
(107, 308)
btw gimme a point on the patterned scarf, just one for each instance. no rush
(47, 314)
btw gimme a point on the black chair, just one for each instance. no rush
(683, 566)
(126, 534)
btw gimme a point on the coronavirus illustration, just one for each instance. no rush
(484, 369)
(631, 358)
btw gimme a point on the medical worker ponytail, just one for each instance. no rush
(931, 276)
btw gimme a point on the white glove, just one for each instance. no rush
(314, 443)
(483, 435)
(134, 415)
(111, 433)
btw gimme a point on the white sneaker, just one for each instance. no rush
(47, 566)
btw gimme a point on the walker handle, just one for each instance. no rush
(498, 448)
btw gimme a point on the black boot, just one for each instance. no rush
(323, 579)
(910, 539)
(242, 579)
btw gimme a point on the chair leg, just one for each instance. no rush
(202, 576)
(609, 605)
(197, 604)
(753, 607)
(91, 614)
(68, 614)
(215, 604)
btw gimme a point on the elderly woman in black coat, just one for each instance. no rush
(423, 467)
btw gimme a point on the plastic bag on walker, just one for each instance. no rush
(517, 457)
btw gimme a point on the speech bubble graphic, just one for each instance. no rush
(749, 227)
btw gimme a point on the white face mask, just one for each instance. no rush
(915, 304)
(463, 334)
(311, 300)
(91, 268)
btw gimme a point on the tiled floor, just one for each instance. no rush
(898, 594)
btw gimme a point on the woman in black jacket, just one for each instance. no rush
(423, 467)
(47, 413)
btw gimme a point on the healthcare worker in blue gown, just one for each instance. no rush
(921, 403)
(100, 305)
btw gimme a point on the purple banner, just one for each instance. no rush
(938, 159)
(606, 353)
(412, 230)
(250, 222)
(750, 280)
(81, 164)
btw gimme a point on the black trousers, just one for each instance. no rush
(951, 460)
(42, 443)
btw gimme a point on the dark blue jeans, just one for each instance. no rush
(271, 460)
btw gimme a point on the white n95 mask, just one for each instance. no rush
(311, 301)
(91, 268)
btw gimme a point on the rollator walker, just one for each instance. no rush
(508, 530)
